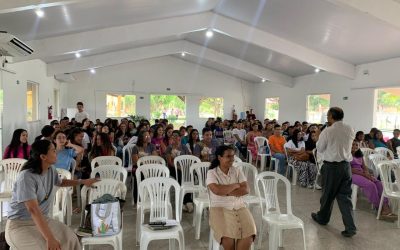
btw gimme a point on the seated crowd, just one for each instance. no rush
(77, 143)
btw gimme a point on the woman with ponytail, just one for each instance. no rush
(29, 225)
(232, 223)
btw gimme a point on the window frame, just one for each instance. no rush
(222, 108)
(266, 111)
(323, 116)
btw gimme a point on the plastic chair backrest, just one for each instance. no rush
(228, 137)
(237, 159)
(115, 150)
(110, 172)
(149, 171)
(11, 168)
(151, 159)
(366, 152)
(398, 151)
(156, 190)
(201, 169)
(261, 144)
(384, 151)
(107, 186)
(105, 160)
(268, 182)
(250, 172)
(64, 174)
(386, 169)
(127, 150)
(184, 162)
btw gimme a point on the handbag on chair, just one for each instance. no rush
(106, 216)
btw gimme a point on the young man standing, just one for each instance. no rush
(394, 142)
(276, 143)
(81, 114)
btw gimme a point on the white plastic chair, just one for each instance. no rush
(105, 160)
(294, 175)
(228, 137)
(390, 188)
(200, 199)
(108, 186)
(270, 210)
(384, 151)
(318, 165)
(151, 159)
(366, 153)
(262, 146)
(375, 159)
(127, 150)
(398, 151)
(148, 171)
(237, 159)
(62, 206)
(250, 172)
(115, 149)
(156, 192)
(11, 167)
(187, 184)
(110, 172)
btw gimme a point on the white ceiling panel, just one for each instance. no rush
(337, 31)
(251, 53)
(89, 15)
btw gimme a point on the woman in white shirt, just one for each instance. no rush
(299, 158)
(232, 223)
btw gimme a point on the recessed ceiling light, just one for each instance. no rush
(39, 13)
(93, 71)
(183, 54)
(317, 70)
(263, 80)
(77, 54)
(209, 33)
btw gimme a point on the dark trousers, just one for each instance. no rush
(336, 182)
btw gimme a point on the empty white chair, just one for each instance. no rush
(267, 186)
(114, 172)
(108, 186)
(263, 151)
(148, 171)
(390, 188)
(105, 160)
(200, 199)
(375, 159)
(156, 192)
(384, 151)
(11, 167)
(151, 159)
(184, 162)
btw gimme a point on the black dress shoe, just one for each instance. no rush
(314, 216)
(348, 234)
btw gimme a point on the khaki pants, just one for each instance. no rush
(23, 234)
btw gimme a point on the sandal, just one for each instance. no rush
(388, 217)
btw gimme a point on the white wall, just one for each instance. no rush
(14, 109)
(359, 107)
(153, 76)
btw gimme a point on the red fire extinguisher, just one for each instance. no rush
(50, 112)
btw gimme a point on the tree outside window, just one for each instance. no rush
(272, 108)
(211, 107)
(387, 109)
(317, 108)
(120, 105)
(171, 107)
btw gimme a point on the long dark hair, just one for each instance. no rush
(34, 163)
(294, 137)
(105, 143)
(15, 143)
(190, 141)
(219, 152)
(140, 140)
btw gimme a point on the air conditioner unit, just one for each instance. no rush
(12, 46)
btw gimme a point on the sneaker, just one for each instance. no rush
(314, 216)
(184, 208)
(189, 207)
(310, 186)
(318, 187)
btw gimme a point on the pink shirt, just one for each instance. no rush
(20, 153)
(216, 176)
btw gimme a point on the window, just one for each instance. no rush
(317, 108)
(120, 105)
(211, 107)
(387, 109)
(171, 107)
(32, 97)
(272, 108)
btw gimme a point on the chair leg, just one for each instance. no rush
(273, 234)
(199, 213)
(294, 177)
(304, 238)
(261, 234)
(380, 207)
(194, 214)
(354, 195)
(280, 238)
(138, 224)
(1, 211)
(172, 244)
(144, 243)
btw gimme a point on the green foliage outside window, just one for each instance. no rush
(211, 107)
(171, 107)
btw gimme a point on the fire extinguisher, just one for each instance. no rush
(50, 112)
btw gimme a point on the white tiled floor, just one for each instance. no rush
(372, 233)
